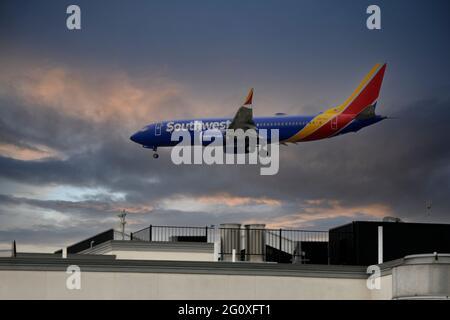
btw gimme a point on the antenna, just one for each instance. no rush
(428, 204)
(123, 222)
(14, 249)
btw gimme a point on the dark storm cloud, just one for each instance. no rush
(26, 125)
(400, 163)
(82, 209)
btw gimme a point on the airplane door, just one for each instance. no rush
(334, 123)
(158, 129)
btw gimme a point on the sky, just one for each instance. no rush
(69, 101)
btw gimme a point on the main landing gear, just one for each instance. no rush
(155, 155)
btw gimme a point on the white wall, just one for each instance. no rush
(126, 285)
(385, 291)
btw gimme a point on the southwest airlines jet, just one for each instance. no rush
(357, 112)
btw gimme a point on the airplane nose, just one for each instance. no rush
(136, 137)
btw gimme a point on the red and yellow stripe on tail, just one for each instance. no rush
(333, 120)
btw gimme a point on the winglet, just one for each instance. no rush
(249, 98)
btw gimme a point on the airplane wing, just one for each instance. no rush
(244, 116)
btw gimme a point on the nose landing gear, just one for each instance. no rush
(155, 155)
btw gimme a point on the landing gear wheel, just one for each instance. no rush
(155, 155)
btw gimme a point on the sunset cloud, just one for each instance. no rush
(100, 96)
(218, 203)
(317, 210)
(233, 201)
(95, 96)
(28, 153)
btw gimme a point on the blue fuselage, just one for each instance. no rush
(159, 134)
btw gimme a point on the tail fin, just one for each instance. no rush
(366, 94)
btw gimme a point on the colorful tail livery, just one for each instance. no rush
(357, 112)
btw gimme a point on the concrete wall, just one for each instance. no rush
(40, 276)
(385, 290)
(424, 276)
(126, 285)
(45, 277)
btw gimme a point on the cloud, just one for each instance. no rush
(98, 97)
(32, 152)
(81, 208)
(219, 202)
(232, 201)
(93, 97)
(316, 211)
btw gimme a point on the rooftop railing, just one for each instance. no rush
(255, 244)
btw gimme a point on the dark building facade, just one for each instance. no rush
(356, 243)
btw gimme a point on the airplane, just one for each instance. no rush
(357, 112)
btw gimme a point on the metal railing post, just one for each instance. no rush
(380, 244)
(328, 248)
(279, 252)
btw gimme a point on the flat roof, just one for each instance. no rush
(95, 263)
(403, 223)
